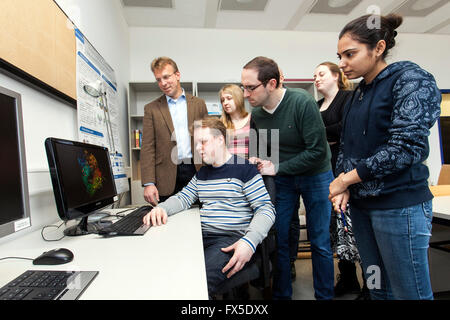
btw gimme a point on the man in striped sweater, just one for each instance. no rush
(236, 212)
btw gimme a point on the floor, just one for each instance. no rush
(303, 285)
(303, 289)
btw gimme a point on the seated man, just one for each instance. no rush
(236, 212)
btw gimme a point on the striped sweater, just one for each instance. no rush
(233, 197)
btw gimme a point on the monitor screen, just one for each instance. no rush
(15, 211)
(81, 176)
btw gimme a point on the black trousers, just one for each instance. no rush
(185, 172)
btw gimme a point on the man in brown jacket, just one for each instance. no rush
(167, 145)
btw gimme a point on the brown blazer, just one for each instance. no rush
(157, 147)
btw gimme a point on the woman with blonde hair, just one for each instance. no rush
(334, 86)
(238, 123)
(236, 119)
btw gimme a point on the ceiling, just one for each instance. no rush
(420, 16)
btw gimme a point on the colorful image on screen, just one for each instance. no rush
(91, 175)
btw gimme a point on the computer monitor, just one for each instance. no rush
(14, 199)
(82, 179)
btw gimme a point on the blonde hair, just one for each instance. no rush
(217, 126)
(343, 82)
(161, 62)
(238, 97)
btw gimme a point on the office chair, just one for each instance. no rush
(258, 271)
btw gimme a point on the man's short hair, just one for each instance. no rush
(161, 62)
(215, 125)
(267, 69)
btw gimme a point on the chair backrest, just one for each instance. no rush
(269, 182)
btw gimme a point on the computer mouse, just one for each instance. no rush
(55, 256)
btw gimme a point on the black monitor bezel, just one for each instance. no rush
(64, 212)
(10, 227)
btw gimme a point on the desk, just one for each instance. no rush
(441, 215)
(167, 263)
(439, 258)
(441, 209)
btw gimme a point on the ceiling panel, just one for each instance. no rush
(184, 14)
(425, 24)
(297, 15)
(420, 8)
(148, 3)
(335, 6)
(243, 5)
(444, 30)
(274, 17)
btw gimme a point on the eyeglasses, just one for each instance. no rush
(165, 77)
(250, 88)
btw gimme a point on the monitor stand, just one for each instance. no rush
(88, 225)
(81, 229)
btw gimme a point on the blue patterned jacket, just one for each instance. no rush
(385, 137)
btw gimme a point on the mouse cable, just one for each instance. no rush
(121, 211)
(53, 226)
(16, 258)
(116, 215)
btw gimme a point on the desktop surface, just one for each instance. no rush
(167, 263)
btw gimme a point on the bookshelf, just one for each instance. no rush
(306, 84)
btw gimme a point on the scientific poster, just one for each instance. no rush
(98, 116)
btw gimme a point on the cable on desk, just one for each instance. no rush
(54, 226)
(96, 225)
(117, 203)
(16, 258)
(115, 215)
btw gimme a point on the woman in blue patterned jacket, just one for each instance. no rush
(380, 167)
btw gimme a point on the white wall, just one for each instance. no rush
(219, 55)
(44, 116)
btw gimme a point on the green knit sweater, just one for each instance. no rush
(303, 147)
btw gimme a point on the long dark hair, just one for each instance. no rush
(369, 29)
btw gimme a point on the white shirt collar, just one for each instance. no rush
(271, 111)
(172, 100)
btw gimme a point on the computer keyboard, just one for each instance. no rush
(48, 285)
(131, 224)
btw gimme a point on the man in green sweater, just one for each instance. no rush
(300, 162)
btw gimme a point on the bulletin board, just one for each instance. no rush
(37, 43)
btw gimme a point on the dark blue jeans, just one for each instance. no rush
(216, 259)
(314, 191)
(393, 245)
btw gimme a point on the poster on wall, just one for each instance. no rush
(97, 106)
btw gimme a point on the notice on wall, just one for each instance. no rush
(98, 115)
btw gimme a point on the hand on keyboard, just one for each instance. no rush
(130, 224)
(155, 217)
